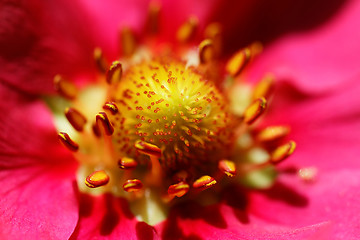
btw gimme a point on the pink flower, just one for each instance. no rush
(317, 95)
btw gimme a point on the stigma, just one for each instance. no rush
(171, 123)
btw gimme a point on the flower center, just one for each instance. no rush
(164, 103)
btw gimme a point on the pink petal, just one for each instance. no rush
(317, 60)
(110, 16)
(40, 39)
(332, 197)
(229, 220)
(37, 177)
(108, 217)
(325, 127)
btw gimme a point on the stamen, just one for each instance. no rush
(96, 130)
(282, 152)
(68, 142)
(114, 74)
(132, 185)
(97, 179)
(128, 41)
(206, 51)
(178, 189)
(204, 182)
(213, 32)
(152, 23)
(187, 31)
(76, 119)
(148, 149)
(264, 87)
(111, 107)
(272, 133)
(127, 163)
(103, 121)
(100, 60)
(238, 62)
(227, 167)
(255, 110)
(65, 88)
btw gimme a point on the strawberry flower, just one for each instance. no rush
(44, 194)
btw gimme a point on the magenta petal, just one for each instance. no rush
(37, 194)
(40, 39)
(332, 197)
(317, 60)
(221, 221)
(109, 217)
(325, 127)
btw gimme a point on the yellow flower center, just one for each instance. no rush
(167, 104)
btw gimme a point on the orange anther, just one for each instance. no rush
(206, 51)
(147, 148)
(111, 107)
(255, 110)
(204, 182)
(282, 152)
(178, 189)
(127, 163)
(238, 62)
(114, 74)
(132, 185)
(68, 142)
(65, 88)
(227, 167)
(187, 30)
(152, 23)
(264, 87)
(75, 118)
(100, 60)
(103, 121)
(272, 133)
(128, 41)
(97, 179)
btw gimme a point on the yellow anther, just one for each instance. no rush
(264, 87)
(114, 74)
(76, 119)
(132, 185)
(238, 62)
(206, 51)
(187, 31)
(111, 107)
(204, 182)
(127, 163)
(97, 179)
(148, 148)
(65, 88)
(178, 189)
(255, 110)
(282, 152)
(128, 41)
(272, 133)
(68, 142)
(227, 167)
(100, 60)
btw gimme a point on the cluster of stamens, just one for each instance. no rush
(166, 121)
